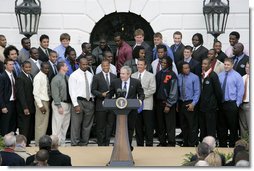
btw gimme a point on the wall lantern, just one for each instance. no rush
(216, 15)
(28, 15)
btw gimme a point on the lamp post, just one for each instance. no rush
(216, 15)
(28, 15)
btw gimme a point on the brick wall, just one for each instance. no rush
(78, 17)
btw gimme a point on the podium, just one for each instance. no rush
(121, 154)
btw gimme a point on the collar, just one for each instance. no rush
(104, 73)
(9, 73)
(241, 56)
(142, 72)
(8, 149)
(197, 47)
(51, 63)
(207, 73)
(187, 59)
(43, 48)
(25, 73)
(35, 61)
(128, 81)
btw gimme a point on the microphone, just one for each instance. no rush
(118, 92)
(124, 92)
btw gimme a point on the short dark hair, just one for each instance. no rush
(83, 45)
(161, 47)
(105, 60)
(52, 51)
(43, 64)
(44, 36)
(42, 155)
(216, 41)
(105, 52)
(26, 62)
(188, 47)
(177, 33)
(229, 60)
(23, 40)
(32, 48)
(118, 34)
(141, 59)
(7, 60)
(158, 34)
(208, 60)
(169, 61)
(182, 64)
(65, 36)
(8, 49)
(59, 65)
(203, 150)
(235, 33)
(200, 37)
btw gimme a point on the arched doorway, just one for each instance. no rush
(124, 22)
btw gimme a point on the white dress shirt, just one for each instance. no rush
(40, 90)
(155, 63)
(77, 85)
(37, 63)
(11, 77)
(112, 69)
(104, 74)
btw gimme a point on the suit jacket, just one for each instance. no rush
(35, 68)
(11, 159)
(149, 85)
(178, 54)
(42, 55)
(56, 158)
(1, 67)
(221, 56)
(99, 85)
(132, 64)
(135, 89)
(5, 89)
(195, 66)
(200, 53)
(211, 93)
(24, 93)
(149, 52)
(51, 73)
(240, 68)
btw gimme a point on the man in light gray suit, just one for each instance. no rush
(34, 60)
(145, 120)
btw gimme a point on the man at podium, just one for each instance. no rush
(129, 88)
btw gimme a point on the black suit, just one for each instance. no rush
(56, 158)
(221, 56)
(135, 88)
(11, 159)
(195, 66)
(1, 67)
(200, 53)
(178, 54)
(104, 118)
(210, 99)
(51, 73)
(42, 55)
(8, 120)
(25, 100)
(240, 66)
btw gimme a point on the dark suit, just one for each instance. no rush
(178, 53)
(51, 73)
(200, 53)
(11, 159)
(25, 100)
(221, 56)
(195, 66)
(42, 55)
(1, 67)
(240, 66)
(135, 88)
(56, 158)
(104, 118)
(8, 120)
(210, 99)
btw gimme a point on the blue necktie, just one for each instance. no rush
(17, 68)
(224, 86)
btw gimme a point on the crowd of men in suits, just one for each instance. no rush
(207, 90)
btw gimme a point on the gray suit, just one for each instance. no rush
(145, 120)
(35, 68)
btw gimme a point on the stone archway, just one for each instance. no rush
(124, 22)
